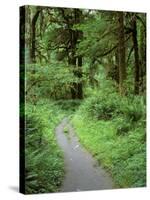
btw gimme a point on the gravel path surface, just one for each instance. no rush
(82, 171)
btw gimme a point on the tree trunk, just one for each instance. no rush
(79, 35)
(33, 35)
(136, 56)
(117, 65)
(76, 62)
(79, 73)
(72, 61)
(92, 73)
(142, 51)
(122, 62)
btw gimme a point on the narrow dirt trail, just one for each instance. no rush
(82, 171)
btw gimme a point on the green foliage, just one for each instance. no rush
(52, 81)
(112, 128)
(103, 107)
(107, 104)
(103, 104)
(97, 33)
(134, 108)
(68, 106)
(43, 159)
(123, 126)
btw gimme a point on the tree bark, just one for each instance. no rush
(142, 52)
(72, 62)
(79, 34)
(76, 61)
(122, 62)
(136, 56)
(33, 35)
(79, 73)
(117, 65)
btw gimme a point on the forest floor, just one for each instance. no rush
(82, 172)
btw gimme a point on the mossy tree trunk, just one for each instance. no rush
(121, 55)
(33, 35)
(76, 61)
(136, 56)
(142, 52)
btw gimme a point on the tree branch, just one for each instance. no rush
(130, 54)
(140, 19)
(34, 83)
(112, 49)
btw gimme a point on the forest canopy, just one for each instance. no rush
(75, 44)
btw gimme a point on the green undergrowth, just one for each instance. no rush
(68, 106)
(44, 165)
(112, 128)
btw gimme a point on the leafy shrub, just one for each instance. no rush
(44, 167)
(107, 104)
(133, 108)
(104, 105)
(123, 126)
(132, 114)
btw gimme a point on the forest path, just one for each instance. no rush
(82, 171)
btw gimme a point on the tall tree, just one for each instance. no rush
(136, 55)
(33, 34)
(73, 60)
(142, 51)
(121, 45)
(78, 16)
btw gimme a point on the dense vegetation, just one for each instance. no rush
(113, 129)
(90, 66)
(43, 158)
